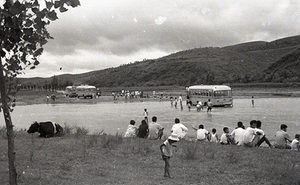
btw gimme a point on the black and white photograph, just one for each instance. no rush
(149, 92)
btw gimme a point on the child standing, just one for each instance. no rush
(146, 116)
(295, 145)
(166, 152)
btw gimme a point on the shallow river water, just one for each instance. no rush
(114, 117)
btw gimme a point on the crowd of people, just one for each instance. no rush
(252, 136)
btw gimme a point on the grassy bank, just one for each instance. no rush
(78, 158)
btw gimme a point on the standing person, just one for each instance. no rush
(202, 133)
(281, 138)
(47, 97)
(262, 138)
(146, 116)
(199, 106)
(180, 102)
(131, 129)
(155, 129)
(238, 134)
(179, 129)
(166, 150)
(189, 103)
(295, 145)
(143, 130)
(251, 134)
(226, 138)
(252, 101)
(214, 137)
(209, 105)
(175, 102)
(171, 100)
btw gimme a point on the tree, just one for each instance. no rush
(23, 32)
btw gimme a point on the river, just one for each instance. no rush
(114, 117)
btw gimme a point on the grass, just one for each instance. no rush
(111, 159)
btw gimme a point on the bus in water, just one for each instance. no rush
(219, 95)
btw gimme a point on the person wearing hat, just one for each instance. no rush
(166, 152)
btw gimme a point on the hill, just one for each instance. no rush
(276, 61)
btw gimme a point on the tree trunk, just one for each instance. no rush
(9, 129)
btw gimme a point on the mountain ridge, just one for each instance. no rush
(259, 61)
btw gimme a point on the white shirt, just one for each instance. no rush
(179, 129)
(201, 134)
(295, 144)
(249, 134)
(238, 135)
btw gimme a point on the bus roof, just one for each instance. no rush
(85, 87)
(210, 87)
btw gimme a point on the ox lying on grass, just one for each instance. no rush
(46, 129)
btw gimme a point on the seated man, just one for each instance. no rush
(281, 138)
(238, 134)
(202, 133)
(251, 135)
(262, 138)
(155, 129)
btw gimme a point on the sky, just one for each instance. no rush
(102, 34)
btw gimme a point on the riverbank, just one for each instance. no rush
(28, 97)
(110, 159)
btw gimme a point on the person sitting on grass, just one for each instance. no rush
(238, 134)
(131, 129)
(295, 145)
(166, 150)
(262, 138)
(202, 133)
(155, 129)
(214, 137)
(281, 138)
(251, 135)
(143, 129)
(226, 138)
(179, 129)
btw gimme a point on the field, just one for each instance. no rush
(83, 158)
(78, 158)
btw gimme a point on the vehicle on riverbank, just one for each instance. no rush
(85, 91)
(219, 95)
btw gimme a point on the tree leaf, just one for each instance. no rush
(73, 3)
(36, 63)
(62, 9)
(49, 5)
(38, 52)
(52, 15)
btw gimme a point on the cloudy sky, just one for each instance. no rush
(107, 33)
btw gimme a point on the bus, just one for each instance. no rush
(219, 95)
(71, 91)
(86, 91)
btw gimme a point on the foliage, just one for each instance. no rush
(23, 33)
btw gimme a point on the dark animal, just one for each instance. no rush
(46, 129)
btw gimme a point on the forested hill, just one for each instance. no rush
(276, 61)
